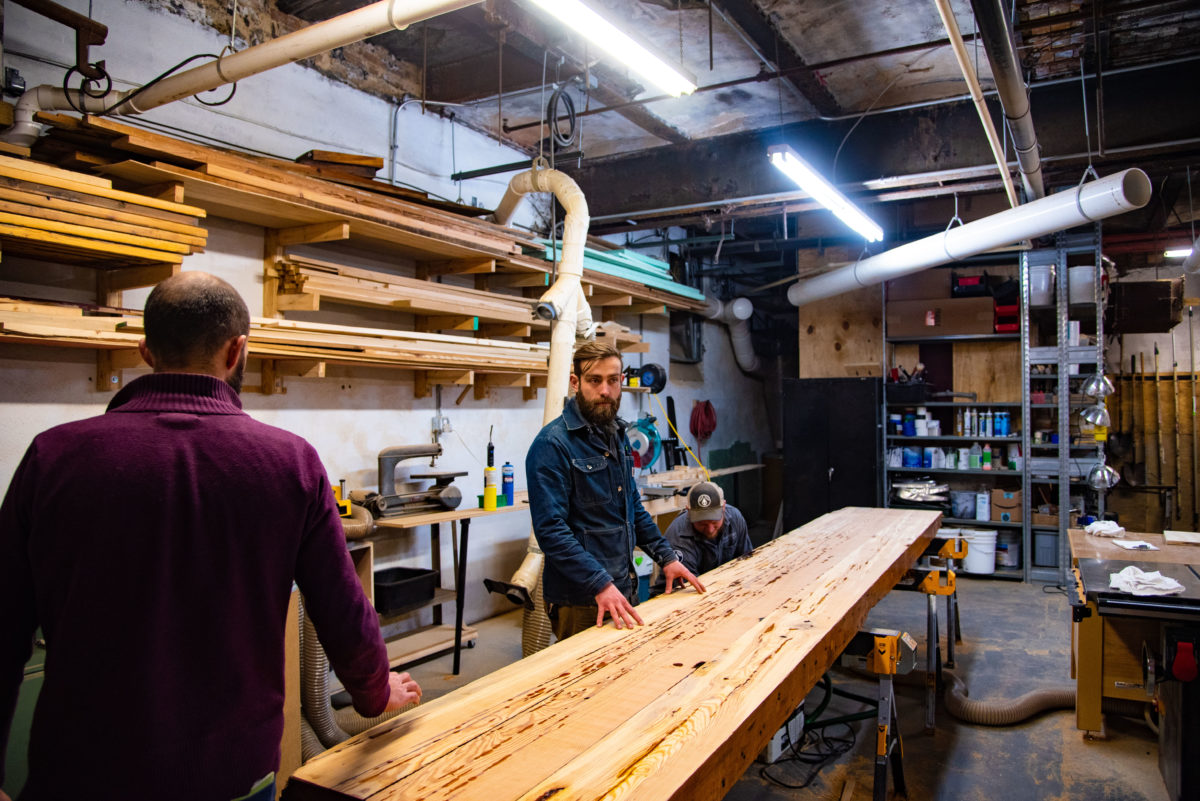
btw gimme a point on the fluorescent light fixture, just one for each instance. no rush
(1177, 253)
(825, 193)
(618, 44)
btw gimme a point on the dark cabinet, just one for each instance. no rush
(832, 446)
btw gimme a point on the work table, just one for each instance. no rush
(675, 709)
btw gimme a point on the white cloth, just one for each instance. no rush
(1135, 545)
(1104, 528)
(1138, 582)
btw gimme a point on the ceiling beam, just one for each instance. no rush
(1144, 122)
(745, 14)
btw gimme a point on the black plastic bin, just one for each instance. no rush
(398, 587)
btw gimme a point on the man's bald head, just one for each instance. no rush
(189, 317)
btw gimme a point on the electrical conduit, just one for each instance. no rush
(565, 305)
(307, 42)
(1088, 202)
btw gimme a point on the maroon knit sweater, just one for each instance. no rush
(156, 547)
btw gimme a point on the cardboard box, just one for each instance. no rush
(925, 285)
(1006, 506)
(935, 318)
(1044, 520)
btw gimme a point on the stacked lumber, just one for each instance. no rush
(33, 322)
(676, 709)
(303, 282)
(48, 212)
(279, 194)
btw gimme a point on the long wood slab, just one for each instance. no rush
(676, 709)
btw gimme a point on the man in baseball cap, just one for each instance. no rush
(709, 532)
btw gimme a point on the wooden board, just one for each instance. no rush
(1181, 537)
(676, 709)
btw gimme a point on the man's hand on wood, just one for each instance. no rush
(402, 691)
(676, 571)
(611, 600)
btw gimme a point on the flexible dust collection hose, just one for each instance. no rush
(1008, 713)
(322, 726)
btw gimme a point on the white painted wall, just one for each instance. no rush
(355, 412)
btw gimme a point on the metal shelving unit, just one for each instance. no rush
(1062, 356)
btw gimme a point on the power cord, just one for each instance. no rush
(85, 86)
(814, 751)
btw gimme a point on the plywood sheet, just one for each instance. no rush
(990, 369)
(840, 331)
(672, 710)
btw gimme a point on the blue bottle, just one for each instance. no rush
(506, 483)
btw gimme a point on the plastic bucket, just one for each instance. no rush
(981, 550)
(1041, 284)
(1008, 549)
(1079, 283)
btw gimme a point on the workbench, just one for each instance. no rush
(1106, 649)
(437, 638)
(1140, 647)
(677, 708)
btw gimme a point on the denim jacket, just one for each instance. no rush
(587, 514)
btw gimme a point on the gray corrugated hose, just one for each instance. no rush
(327, 727)
(1003, 713)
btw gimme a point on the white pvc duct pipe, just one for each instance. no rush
(985, 116)
(309, 41)
(736, 314)
(563, 303)
(1014, 97)
(1089, 202)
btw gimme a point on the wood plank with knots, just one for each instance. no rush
(676, 709)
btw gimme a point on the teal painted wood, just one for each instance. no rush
(630, 266)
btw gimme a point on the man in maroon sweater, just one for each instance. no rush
(156, 546)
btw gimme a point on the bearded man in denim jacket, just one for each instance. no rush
(587, 513)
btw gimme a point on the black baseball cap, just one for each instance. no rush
(706, 502)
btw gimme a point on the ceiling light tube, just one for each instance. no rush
(825, 193)
(618, 44)
(1177, 253)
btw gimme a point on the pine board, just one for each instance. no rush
(676, 709)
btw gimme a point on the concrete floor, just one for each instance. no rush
(1016, 637)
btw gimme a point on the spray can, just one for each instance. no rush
(489, 477)
(506, 484)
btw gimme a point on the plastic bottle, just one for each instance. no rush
(506, 484)
(976, 456)
(958, 423)
(969, 423)
(985, 430)
(985, 459)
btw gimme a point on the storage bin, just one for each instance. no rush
(1041, 284)
(1080, 281)
(1045, 550)
(398, 587)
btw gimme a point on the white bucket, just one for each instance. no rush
(981, 550)
(1079, 283)
(1041, 284)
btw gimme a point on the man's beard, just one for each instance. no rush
(239, 372)
(600, 413)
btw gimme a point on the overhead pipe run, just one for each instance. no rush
(736, 315)
(1088, 202)
(566, 306)
(985, 116)
(312, 40)
(1014, 95)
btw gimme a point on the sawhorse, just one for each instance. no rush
(934, 581)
